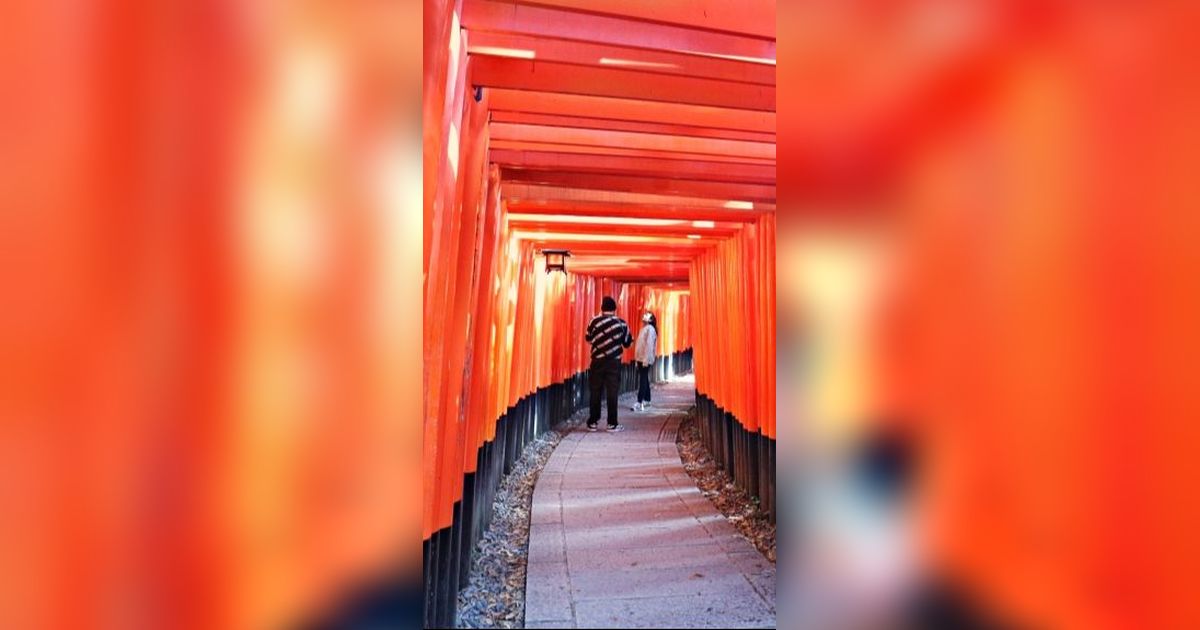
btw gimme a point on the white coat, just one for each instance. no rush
(644, 351)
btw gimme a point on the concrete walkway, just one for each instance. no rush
(622, 538)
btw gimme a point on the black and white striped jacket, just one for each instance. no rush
(609, 335)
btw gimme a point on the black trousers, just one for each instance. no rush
(604, 376)
(643, 383)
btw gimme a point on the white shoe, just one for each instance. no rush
(636, 407)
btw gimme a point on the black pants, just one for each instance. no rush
(604, 375)
(643, 383)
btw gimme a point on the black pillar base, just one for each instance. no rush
(747, 457)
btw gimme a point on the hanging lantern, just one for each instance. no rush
(556, 259)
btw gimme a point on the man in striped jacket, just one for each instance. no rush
(609, 336)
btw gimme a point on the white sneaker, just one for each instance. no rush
(636, 407)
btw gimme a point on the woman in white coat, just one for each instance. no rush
(647, 341)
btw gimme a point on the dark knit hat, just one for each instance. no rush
(608, 304)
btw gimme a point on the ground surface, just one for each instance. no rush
(620, 536)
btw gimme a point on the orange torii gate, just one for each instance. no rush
(642, 146)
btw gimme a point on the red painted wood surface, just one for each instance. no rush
(634, 138)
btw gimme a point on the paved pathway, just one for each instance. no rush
(622, 538)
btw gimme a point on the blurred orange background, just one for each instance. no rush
(211, 262)
(1011, 188)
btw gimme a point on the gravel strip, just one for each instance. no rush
(740, 508)
(495, 592)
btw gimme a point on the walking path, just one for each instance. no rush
(620, 537)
